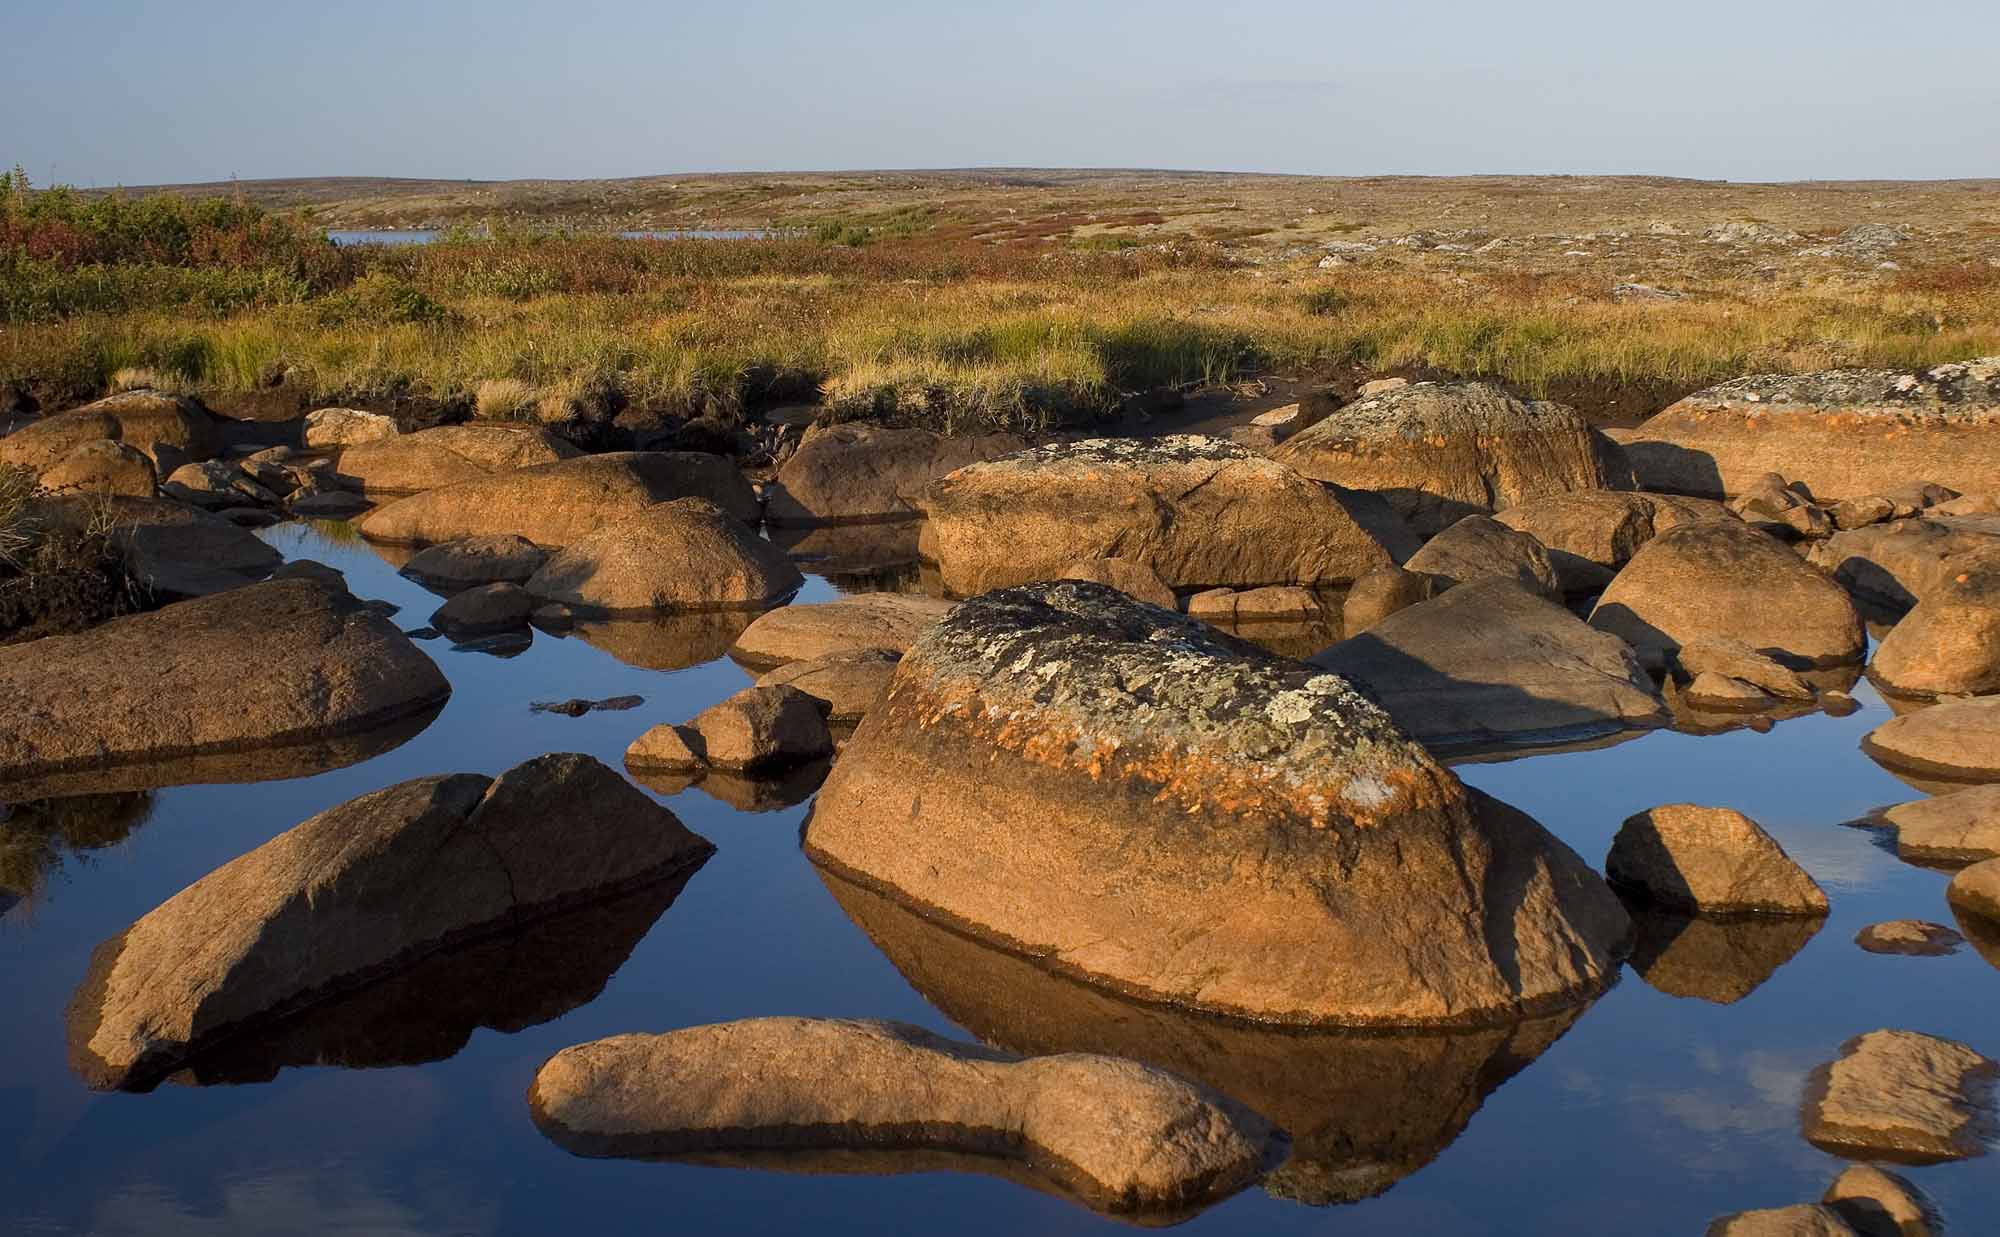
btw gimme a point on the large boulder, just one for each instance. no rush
(1132, 797)
(1724, 579)
(1198, 511)
(412, 463)
(1590, 534)
(310, 663)
(1948, 644)
(1479, 547)
(1962, 827)
(1901, 1096)
(1841, 433)
(862, 473)
(102, 466)
(358, 892)
(1958, 740)
(1117, 1134)
(1899, 564)
(1490, 663)
(1710, 861)
(561, 503)
(169, 430)
(864, 621)
(1444, 450)
(687, 554)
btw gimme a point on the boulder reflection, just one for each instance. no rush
(1715, 959)
(1364, 1108)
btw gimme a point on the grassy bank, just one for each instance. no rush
(926, 324)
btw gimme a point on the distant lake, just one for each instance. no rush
(424, 236)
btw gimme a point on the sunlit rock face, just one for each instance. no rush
(1138, 799)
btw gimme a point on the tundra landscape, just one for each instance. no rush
(998, 699)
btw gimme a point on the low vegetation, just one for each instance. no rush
(56, 575)
(921, 313)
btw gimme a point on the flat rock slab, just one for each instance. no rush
(1489, 665)
(1799, 1220)
(1958, 739)
(865, 621)
(316, 664)
(356, 893)
(1901, 1096)
(1136, 799)
(1117, 1134)
(1962, 827)
(1710, 860)
(1912, 937)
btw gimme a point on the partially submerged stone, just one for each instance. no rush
(563, 502)
(486, 608)
(1444, 450)
(490, 559)
(847, 684)
(1709, 860)
(1962, 827)
(1197, 511)
(761, 728)
(1912, 937)
(1489, 664)
(1901, 1096)
(1710, 690)
(1479, 547)
(1958, 739)
(1736, 660)
(154, 686)
(684, 555)
(863, 473)
(356, 893)
(1842, 433)
(1038, 739)
(1800, 1220)
(1879, 1203)
(1726, 580)
(1948, 644)
(864, 621)
(1119, 1135)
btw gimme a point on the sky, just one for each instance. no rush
(103, 92)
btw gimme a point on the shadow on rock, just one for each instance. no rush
(1364, 1109)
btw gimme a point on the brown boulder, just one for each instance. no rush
(1897, 565)
(1382, 593)
(216, 484)
(40, 445)
(864, 621)
(1903, 1097)
(1841, 433)
(847, 684)
(1959, 739)
(102, 466)
(789, 1091)
(1132, 578)
(1963, 827)
(1976, 890)
(1727, 580)
(1948, 644)
(497, 558)
(1736, 660)
(358, 892)
(1444, 450)
(861, 473)
(447, 455)
(1590, 534)
(1479, 547)
(761, 728)
(1197, 511)
(485, 608)
(561, 503)
(156, 685)
(1878, 1203)
(1800, 1220)
(1129, 796)
(683, 555)
(1709, 860)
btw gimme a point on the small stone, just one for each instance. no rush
(1900, 1096)
(346, 427)
(1274, 602)
(1709, 860)
(1851, 513)
(1913, 937)
(1380, 594)
(477, 560)
(490, 607)
(1879, 1203)
(1837, 703)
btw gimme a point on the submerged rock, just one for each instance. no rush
(1489, 664)
(861, 473)
(1197, 511)
(1913, 937)
(1298, 858)
(153, 686)
(1878, 1203)
(685, 555)
(1444, 450)
(356, 893)
(1119, 1135)
(1364, 1108)
(1903, 1097)
(1841, 433)
(1959, 739)
(1720, 960)
(1479, 547)
(864, 621)
(1800, 1220)
(1709, 860)
(1724, 580)
(561, 503)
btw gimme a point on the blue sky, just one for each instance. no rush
(130, 92)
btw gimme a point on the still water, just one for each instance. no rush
(1648, 1113)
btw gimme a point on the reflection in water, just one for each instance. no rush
(858, 558)
(35, 837)
(428, 1012)
(253, 764)
(1692, 719)
(1721, 960)
(666, 641)
(1983, 934)
(741, 791)
(1364, 1108)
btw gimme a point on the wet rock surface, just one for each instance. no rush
(1721, 580)
(1685, 857)
(1196, 511)
(1441, 451)
(145, 688)
(1490, 664)
(1120, 1135)
(1903, 1097)
(357, 892)
(1262, 823)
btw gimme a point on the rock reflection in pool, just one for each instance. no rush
(1719, 959)
(36, 837)
(745, 793)
(428, 1012)
(666, 641)
(1364, 1109)
(858, 558)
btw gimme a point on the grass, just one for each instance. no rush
(912, 313)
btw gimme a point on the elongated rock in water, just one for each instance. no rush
(1901, 1096)
(358, 892)
(1137, 799)
(1120, 1135)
